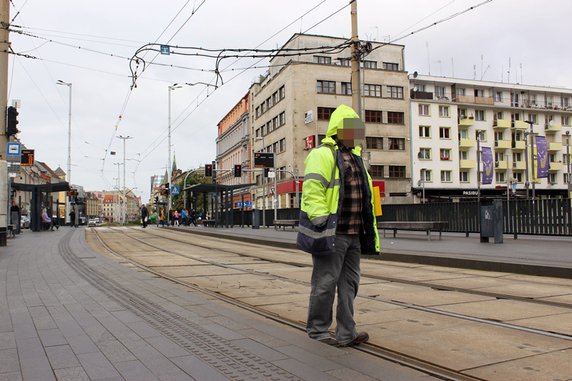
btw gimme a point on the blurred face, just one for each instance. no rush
(353, 133)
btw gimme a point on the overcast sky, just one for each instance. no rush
(89, 45)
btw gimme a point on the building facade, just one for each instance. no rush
(291, 105)
(451, 118)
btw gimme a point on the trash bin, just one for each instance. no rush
(255, 219)
(492, 221)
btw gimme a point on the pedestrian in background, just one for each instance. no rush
(72, 218)
(15, 216)
(184, 217)
(46, 220)
(337, 225)
(144, 216)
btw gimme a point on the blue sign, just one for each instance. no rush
(175, 190)
(165, 49)
(13, 149)
(248, 204)
(239, 204)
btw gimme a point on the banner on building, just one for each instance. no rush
(542, 163)
(487, 158)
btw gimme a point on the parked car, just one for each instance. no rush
(92, 222)
(24, 222)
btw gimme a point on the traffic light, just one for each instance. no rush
(237, 170)
(266, 171)
(208, 170)
(12, 123)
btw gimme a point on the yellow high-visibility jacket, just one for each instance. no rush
(322, 195)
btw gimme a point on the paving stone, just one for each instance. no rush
(82, 344)
(62, 356)
(13, 376)
(97, 366)
(115, 351)
(9, 361)
(42, 318)
(302, 370)
(71, 374)
(166, 346)
(134, 370)
(33, 361)
(198, 369)
(7, 340)
(23, 325)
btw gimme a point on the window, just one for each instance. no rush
(373, 116)
(345, 61)
(394, 117)
(391, 66)
(532, 98)
(565, 102)
(424, 154)
(565, 120)
(425, 175)
(517, 176)
(396, 144)
(282, 145)
(372, 90)
(326, 87)
(395, 92)
(424, 109)
(323, 60)
(324, 113)
(346, 88)
(419, 88)
(282, 118)
(514, 99)
(479, 93)
(445, 154)
(480, 115)
(445, 132)
(373, 142)
(397, 171)
(464, 155)
(446, 176)
(552, 178)
(499, 115)
(462, 113)
(549, 100)
(498, 96)
(424, 131)
(281, 93)
(464, 176)
(369, 64)
(461, 91)
(376, 171)
(500, 176)
(439, 92)
(443, 111)
(533, 118)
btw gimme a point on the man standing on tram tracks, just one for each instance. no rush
(144, 216)
(337, 225)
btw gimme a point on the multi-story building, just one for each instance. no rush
(233, 148)
(451, 118)
(94, 204)
(291, 105)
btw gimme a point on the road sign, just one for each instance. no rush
(27, 158)
(265, 159)
(13, 149)
(175, 190)
(248, 204)
(165, 49)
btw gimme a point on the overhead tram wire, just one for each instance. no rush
(130, 91)
(152, 148)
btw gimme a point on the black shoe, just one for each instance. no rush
(362, 337)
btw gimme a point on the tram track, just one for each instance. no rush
(434, 370)
(443, 373)
(434, 286)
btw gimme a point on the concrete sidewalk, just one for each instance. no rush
(534, 255)
(68, 313)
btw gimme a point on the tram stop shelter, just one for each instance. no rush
(221, 206)
(38, 192)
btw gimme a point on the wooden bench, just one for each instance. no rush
(427, 226)
(284, 223)
(208, 222)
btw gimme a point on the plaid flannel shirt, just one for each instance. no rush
(350, 218)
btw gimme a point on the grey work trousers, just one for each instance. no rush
(341, 270)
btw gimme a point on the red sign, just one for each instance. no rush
(309, 142)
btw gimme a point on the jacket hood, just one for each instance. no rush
(337, 122)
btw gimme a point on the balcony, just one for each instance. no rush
(466, 122)
(520, 125)
(519, 165)
(518, 145)
(501, 164)
(467, 164)
(484, 101)
(466, 143)
(552, 127)
(420, 94)
(503, 144)
(501, 123)
(554, 147)
(555, 166)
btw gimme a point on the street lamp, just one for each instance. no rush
(124, 138)
(69, 85)
(169, 174)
